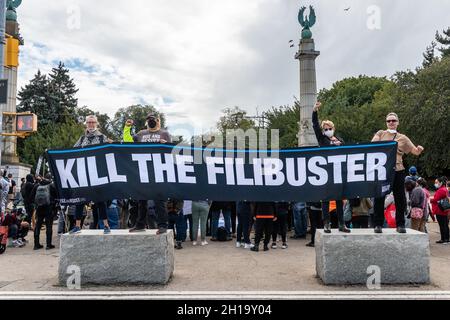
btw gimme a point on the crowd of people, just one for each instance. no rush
(409, 205)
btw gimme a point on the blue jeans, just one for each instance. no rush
(113, 218)
(215, 221)
(300, 219)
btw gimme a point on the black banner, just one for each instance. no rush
(157, 171)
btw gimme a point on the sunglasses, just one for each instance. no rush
(326, 130)
(391, 121)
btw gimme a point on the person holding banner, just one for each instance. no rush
(91, 137)
(405, 146)
(325, 134)
(153, 134)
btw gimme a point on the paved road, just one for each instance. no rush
(216, 267)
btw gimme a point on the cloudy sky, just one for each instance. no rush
(192, 58)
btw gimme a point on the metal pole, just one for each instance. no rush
(2, 59)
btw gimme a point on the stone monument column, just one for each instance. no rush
(308, 87)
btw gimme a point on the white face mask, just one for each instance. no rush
(91, 130)
(437, 185)
(392, 131)
(329, 133)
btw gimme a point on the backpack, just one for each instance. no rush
(222, 234)
(43, 196)
(354, 203)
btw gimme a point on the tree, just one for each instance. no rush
(422, 101)
(52, 98)
(234, 118)
(34, 97)
(52, 136)
(444, 40)
(429, 55)
(104, 121)
(350, 105)
(138, 113)
(285, 119)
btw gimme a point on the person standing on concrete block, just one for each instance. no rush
(405, 146)
(325, 134)
(153, 134)
(91, 137)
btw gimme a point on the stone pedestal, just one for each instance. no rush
(308, 91)
(352, 258)
(117, 258)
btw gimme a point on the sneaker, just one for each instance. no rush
(204, 243)
(284, 246)
(50, 247)
(401, 230)
(194, 243)
(136, 229)
(238, 244)
(161, 230)
(378, 229)
(107, 230)
(38, 247)
(213, 239)
(17, 244)
(274, 245)
(311, 245)
(178, 246)
(75, 230)
(255, 249)
(248, 246)
(266, 248)
(20, 242)
(440, 242)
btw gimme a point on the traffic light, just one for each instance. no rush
(26, 123)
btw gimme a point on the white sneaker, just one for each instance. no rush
(248, 246)
(204, 243)
(284, 246)
(17, 244)
(238, 244)
(194, 243)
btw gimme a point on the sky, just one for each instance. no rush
(193, 58)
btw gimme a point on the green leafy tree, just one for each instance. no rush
(422, 100)
(285, 119)
(350, 105)
(104, 121)
(52, 136)
(138, 113)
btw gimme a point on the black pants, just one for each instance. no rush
(233, 220)
(160, 210)
(280, 228)
(360, 222)
(44, 214)
(315, 218)
(263, 227)
(29, 208)
(400, 202)
(443, 226)
(339, 211)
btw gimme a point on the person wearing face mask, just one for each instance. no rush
(325, 134)
(153, 134)
(91, 137)
(405, 146)
(442, 216)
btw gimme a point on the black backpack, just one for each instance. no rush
(222, 234)
(354, 203)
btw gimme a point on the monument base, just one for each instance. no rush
(118, 258)
(352, 258)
